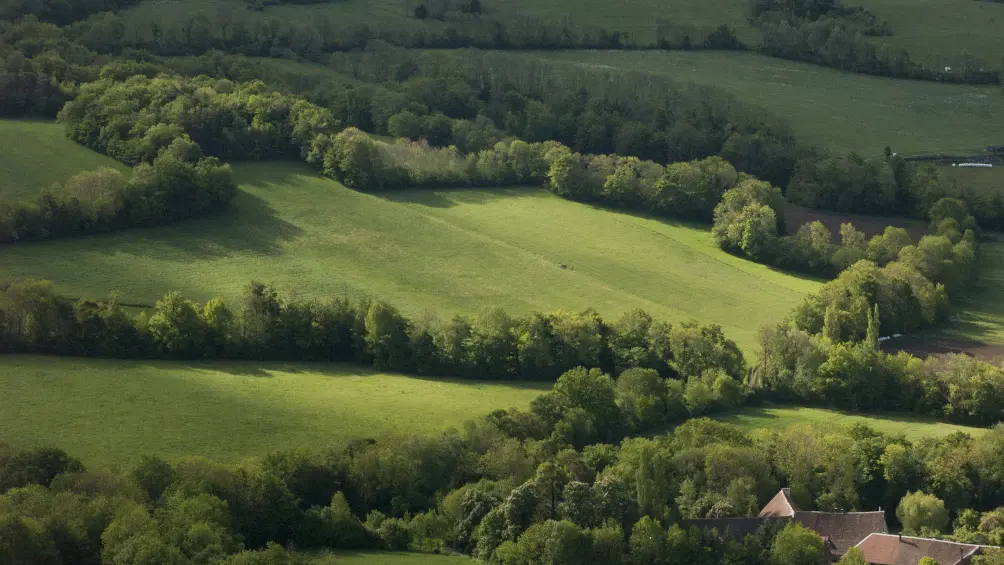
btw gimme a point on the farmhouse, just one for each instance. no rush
(888, 549)
(840, 530)
(843, 530)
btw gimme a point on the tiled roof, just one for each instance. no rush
(780, 505)
(844, 530)
(889, 549)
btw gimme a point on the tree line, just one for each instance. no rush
(815, 357)
(515, 487)
(832, 43)
(176, 184)
(474, 100)
(59, 12)
(827, 33)
(267, 326)
(247, 121)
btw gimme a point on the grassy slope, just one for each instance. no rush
(937, 30)
(843, 111)
(780, 417)
(114, 411)
(439, 251)
(36, 154)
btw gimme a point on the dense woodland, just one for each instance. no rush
(602, 468)
(516, 487)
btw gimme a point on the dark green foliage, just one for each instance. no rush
(838, 43)
(59, 12)
(20, 468)
(34, 318)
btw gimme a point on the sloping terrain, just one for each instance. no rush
(446, 252)
(112, 412)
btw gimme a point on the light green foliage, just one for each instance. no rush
(839, 110)
(797, 545)
(438, 251)
(920, 512)
(225, 411)
(25, 540)
(748, 219)
(852, 557)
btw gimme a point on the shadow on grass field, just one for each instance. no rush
(779, 417)
(111, 412)
(425, 251)
(977, 327)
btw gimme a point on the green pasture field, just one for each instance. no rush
(109, 412)
(635, 17)
(936, 31)
(981, 310)
(388, 558)
(437, 251)
(780, 417)
(37, 154)
(830, 108)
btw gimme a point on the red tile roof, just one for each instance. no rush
(844, 529)
(889, 549)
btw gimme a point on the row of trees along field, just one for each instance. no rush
(517, 487)
(827, 33)
(247, 121)
(472, 100)
(824, 33)
(695, 368)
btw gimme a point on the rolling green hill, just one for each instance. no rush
(446, 252)
(835, 109)
(114, 411)
(37, 154)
